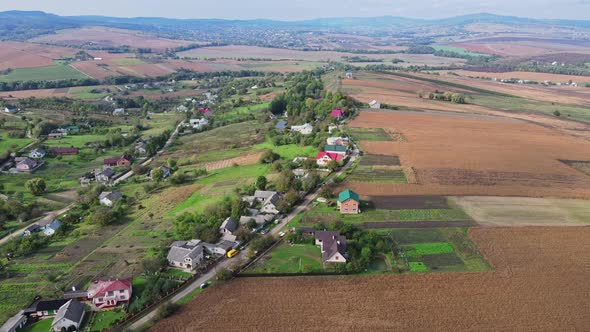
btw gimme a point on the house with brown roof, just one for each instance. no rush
(332, 245)
(27, 165)
(122, 161)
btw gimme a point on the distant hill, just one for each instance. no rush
(23, 25)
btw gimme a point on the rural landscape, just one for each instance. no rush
(373, 173)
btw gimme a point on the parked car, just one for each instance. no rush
(281, 234)
(232, 253)
(204, 285)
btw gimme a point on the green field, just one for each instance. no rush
(128, 61)
(368, 174)
(14, 144)
(436, 249)
(287, 258)
(288, 151)
(55, 72)
(86, 93)
(458, 50)
(369, 134)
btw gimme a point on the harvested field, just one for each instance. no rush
(524, 46)
(370, 174)
(523, 75)
(370, 134)
(109, 37)
(16, 55)
(539, 283)
(409, 202)
(249, 159)
(381, 160)
(523, 211)
(456, 154)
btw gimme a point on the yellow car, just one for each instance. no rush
(232, 253)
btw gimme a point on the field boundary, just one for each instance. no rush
(419, 224)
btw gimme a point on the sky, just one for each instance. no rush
(305, 9)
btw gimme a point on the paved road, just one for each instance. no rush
(149, 160)
(241, 256)
(49, 216)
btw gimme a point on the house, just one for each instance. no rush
(337, 113)
(122, 161)
(56, 135)
(221, 247)
(199, 124)
(14, 323)
(186, 255)
(348, 202)
(338, 149)
(375, 104)
(343, 141)
(27, 165)
(110, 293)
(64, 151)
(141, 148)
(41, 309)
(51, 228)
(300, 173)
(259, 219)
(332, 245)
(37, 153)
(270, 205)
(119, 111)
(167, 171)
(68, 129)
(305, 129)
(69, 317)
(182, 108)
(105, 175)
(227, 228)
(207, 112)
(34, 228)
(78, 295)
(349, 75)
(323, 158)
(331, 128)
(10, 109)
(281, 125)
(109, 198)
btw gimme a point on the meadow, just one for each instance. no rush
(49, 73)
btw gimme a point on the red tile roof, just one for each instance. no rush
(337, 113)
(333, 156)
(101, 287)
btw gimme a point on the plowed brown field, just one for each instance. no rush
(539, 284)
(456, 154)
(26, 55)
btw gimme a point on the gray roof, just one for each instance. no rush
(273, 199)
(282, 124)
(30, 162)
(39, 150)
(55, 225)
(73, 310)
(110, 195)
(33, 228)
(262, 194)
(108, 172)
(229, 224)
(332, 242)
(179, 250)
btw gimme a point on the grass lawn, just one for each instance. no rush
(104, 319)
(324, 213)
(369, 134)
(286, 258)
(13, 144)
(77, 141)
(190, 296)
(289, 151)
(43, 325)
(49, 73)
(86, 93)
(177, 273)
(458, 50)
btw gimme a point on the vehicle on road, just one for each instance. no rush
(232, 253)
(204, 285)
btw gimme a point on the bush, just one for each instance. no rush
(557, 113)
(167, 310)
(224, 274)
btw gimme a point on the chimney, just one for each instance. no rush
(333, 237)
(73, 288)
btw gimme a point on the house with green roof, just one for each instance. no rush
(338, 149)
(348, 202)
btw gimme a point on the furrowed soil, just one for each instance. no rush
(457, 154)
(539, 283)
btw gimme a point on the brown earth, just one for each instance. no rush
(539, 284)
(109, 37)
(27, 55)
(523, 75)
(457, 154)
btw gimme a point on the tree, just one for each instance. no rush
(167, 310)
(178, 178)
(261, 182)
(268, 157)
(36, 186)
(171, 163)
(286, 181)
(332, 165)
(152, 265)
(103, 216)
(310, 182)
(157, 174)
(224, 274)
(458, 98)
(557, 113)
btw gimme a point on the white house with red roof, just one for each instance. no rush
(323, 158)
(110, 293)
